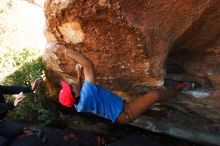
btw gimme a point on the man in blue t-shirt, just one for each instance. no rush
(90, 97)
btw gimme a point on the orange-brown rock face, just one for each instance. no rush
(134, 44)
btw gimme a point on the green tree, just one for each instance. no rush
(36, 107)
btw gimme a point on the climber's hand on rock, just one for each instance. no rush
(59, 50)
(79, 70)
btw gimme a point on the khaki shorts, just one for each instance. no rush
(125, 116)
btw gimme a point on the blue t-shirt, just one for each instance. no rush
(100, 101)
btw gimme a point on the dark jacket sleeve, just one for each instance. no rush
(14, 89)
(5, 107)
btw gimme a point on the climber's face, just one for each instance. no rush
(75, 89)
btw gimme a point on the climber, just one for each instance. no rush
(93, 98)
(11, 129)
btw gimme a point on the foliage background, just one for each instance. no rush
(36, 107)
(21, 48)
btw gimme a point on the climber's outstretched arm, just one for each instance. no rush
(87, 65)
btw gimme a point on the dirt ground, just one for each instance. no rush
(112, 132)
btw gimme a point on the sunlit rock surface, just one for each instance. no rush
(135, 44)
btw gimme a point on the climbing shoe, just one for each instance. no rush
(182, 85)
(188, 85)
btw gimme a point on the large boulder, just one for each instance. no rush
(135, 44)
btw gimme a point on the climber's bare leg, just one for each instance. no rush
(138, 106)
